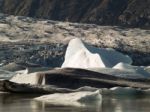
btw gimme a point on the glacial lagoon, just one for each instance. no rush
(10, 102)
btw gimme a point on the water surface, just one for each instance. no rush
(25, 103)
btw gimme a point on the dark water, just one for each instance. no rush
(25, 103)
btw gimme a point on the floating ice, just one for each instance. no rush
(23, 77)
(79, 55)
(132, 69)
(71, 99)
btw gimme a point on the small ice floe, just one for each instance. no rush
(135, 70)
(29, 76)
(78, 99)
(124, 66)
(123, 73)
(122, 91)
(79, 55)
(23, 77)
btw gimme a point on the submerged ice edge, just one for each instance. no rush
(88, 98)
(77, 99)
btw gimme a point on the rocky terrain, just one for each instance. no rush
(41, 54)
(44, 42)
(133, 13)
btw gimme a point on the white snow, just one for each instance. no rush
(71, 99)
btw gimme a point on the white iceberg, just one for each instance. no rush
(79, 55)
(72, 99)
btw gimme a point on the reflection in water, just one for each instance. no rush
(126, 104)
(25, 103)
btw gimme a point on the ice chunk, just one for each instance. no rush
(71, 99)
(79, 55)
(134, 69)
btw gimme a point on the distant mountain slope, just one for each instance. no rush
(134, 13)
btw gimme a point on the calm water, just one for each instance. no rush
(24, 103)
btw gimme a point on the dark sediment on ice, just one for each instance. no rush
(71, 79)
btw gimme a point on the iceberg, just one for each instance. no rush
(72, 99)
(79, 55)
